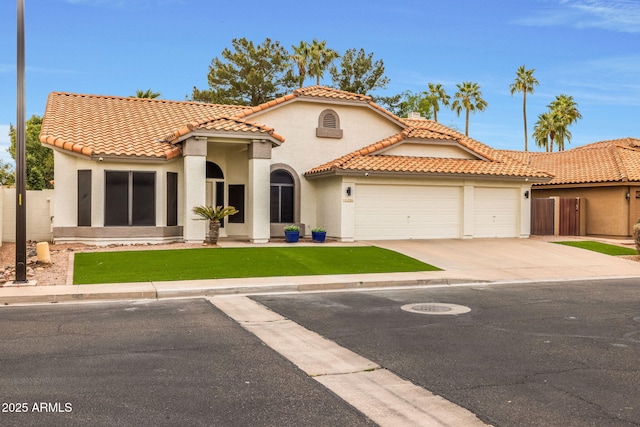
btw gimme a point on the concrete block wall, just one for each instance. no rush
(39, 215)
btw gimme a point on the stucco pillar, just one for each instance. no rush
(525, 211)
(468, 209)
(194, 188)
(348, 212)
(258, 212)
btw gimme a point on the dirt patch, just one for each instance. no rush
(55, 273)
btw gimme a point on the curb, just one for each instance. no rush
(160, 290)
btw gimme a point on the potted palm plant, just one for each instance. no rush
(214, 215)
(291, 233)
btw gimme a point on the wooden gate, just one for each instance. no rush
(544, 212)
(570, 216)
(542, 216)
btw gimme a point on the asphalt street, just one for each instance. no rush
(153, 363)
(547, 354)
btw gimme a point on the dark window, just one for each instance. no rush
(282, 186)
(214, 171)
(172, 198)
(116, 210)
(84, 198)
(220, 197)
(236, 199)
(130, 198)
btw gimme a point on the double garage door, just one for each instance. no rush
(384, 212)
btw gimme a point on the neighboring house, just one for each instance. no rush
(131, 170)
(604, 175)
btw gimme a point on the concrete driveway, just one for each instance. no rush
(513, 259)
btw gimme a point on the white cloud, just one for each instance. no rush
(614, 15)
(610, 80)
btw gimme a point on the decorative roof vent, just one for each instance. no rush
(329, 125)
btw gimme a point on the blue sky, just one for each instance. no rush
(589, 49)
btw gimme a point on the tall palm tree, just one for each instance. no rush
(301, 57)
(435, 96)
(468, 98)
(566, 109)
(146, 94)
(524, 83)
(545, 130)
(321, 58)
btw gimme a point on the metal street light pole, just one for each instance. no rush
(21, 167)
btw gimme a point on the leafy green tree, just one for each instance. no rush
(468, 98)
(248, 74)
(566, 111)
(407, 102)
(147, 94)
(321, 58)
(7, 174)
(301, 57)
(358, 73)
(525, 83)
(436, 95)
(39, 159)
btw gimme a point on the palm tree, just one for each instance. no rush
(214, 215)
(470, 99)
(524, 83)
(301, 56)
(566, 109)
(146, 94)
(435, 96)
(321, 57)
(545, 130)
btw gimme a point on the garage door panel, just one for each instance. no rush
(496, 212)
(407, 212)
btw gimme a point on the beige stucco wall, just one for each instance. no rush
(66, 190)
(606, 208)
(39, 215)
(303, 150)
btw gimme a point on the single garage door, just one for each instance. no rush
(385, 212)
(496, 212)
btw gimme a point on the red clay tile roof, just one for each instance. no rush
(320, 93)
(490, 163)
(95, 125)
(606, 161)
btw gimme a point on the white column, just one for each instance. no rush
(258, 205)
(468, 209)
(194, 187)
(525, 211)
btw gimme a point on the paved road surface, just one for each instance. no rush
(167, 363)
(552, 354)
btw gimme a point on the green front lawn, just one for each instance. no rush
(218, 263)
(603, 248)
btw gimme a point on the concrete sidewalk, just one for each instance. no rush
(463, 261)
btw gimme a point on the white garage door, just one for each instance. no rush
(496, 212)
(385, 212)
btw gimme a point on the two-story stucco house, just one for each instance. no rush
(131, 170)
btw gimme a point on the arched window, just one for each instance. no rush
(214, 171)
(328, 125)
(282, 195)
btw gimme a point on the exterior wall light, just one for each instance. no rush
(348, 191)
